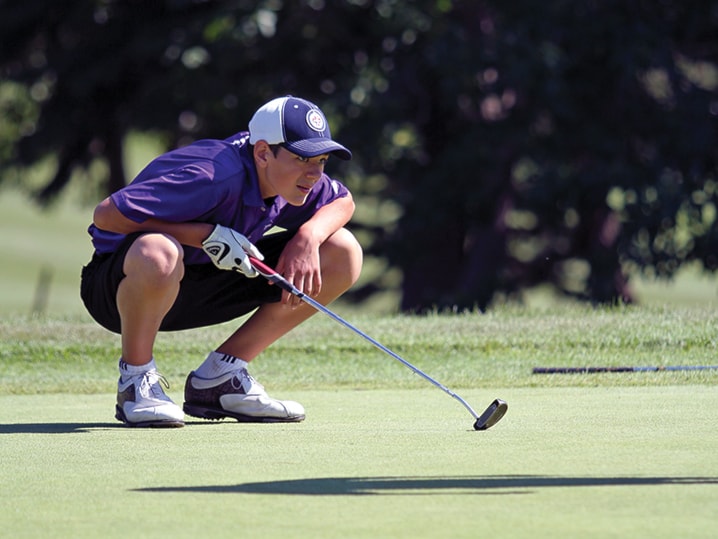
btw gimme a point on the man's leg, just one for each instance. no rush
(153, 269)
(341, 260)
(228, 390)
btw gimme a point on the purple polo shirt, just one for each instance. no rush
(210, 181)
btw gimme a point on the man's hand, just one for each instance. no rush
(230, 250)
(300, 264)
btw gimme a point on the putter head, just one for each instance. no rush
(491, 415)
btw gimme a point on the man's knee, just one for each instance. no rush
(343, 255)
(157, 258)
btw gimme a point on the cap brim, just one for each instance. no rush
(314, 147)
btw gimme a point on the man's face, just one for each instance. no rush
(289, 175)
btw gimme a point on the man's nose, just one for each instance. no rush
(314, 171)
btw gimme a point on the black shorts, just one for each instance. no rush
(207, 295)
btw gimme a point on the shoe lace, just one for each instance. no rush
(149, 386)
(240, 376)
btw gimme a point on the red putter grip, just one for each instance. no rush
(262, 268)
(273, 277)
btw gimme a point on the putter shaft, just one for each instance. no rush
(274, 277)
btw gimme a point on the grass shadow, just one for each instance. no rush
(55, 428)
(364, 486)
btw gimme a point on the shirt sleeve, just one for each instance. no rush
(179, 195)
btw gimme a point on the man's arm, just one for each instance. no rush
(108, 217)
(325, 222)
(300, 263)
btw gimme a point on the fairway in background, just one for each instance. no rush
(35, 242)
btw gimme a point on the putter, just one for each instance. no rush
(486, 420)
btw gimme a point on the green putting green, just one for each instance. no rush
(564, 462)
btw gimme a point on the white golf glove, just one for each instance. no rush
(230, 250)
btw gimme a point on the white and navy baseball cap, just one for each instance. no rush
(296, 124)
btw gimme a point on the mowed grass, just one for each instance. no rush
(565, 462)
(497, 349)
(382, 453)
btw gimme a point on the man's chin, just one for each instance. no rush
(297, 201)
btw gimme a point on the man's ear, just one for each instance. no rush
(262, 153)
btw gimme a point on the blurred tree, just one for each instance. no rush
(98, 69)
(555, 148)
(566, 147)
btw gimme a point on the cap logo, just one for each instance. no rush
(315, 120)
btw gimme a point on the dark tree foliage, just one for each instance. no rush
(566, 146)
(556, 148)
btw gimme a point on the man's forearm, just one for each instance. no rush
(108, 217)
(327, 220)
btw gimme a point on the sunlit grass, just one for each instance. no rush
(497, 349)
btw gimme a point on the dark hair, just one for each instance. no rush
(274, 148)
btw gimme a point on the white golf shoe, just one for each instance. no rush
(141, 402)
(238, 395)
